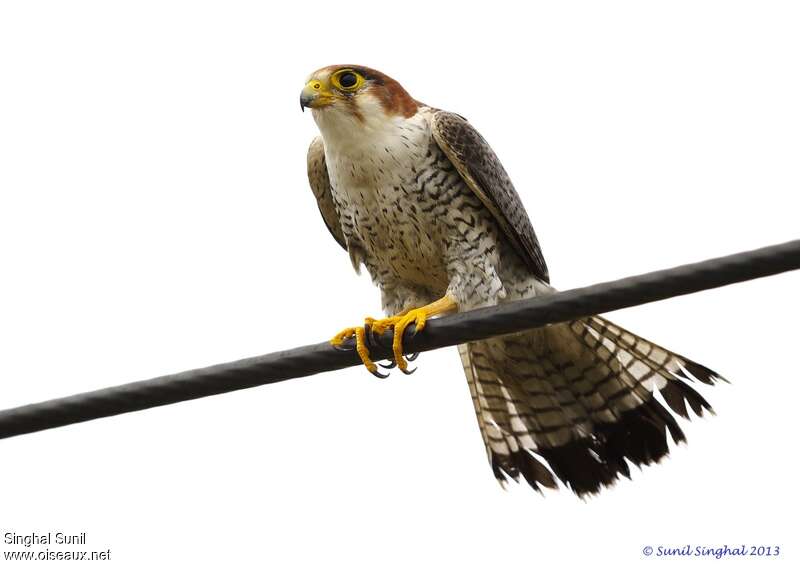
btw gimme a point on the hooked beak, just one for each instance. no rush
(305, 100)
(315, 95)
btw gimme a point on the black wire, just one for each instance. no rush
(454, 329)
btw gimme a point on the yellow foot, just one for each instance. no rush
(398, 323)
(360, 334)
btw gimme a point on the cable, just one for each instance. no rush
(448, 331)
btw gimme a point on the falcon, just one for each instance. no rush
(417, 196)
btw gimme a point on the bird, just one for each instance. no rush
(417, 196)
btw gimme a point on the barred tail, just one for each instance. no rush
(579, 397)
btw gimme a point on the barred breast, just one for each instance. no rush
(408, 216)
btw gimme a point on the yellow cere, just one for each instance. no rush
(318, 93)
(316, 87)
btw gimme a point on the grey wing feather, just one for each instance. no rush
(480, 168)
(321, 186)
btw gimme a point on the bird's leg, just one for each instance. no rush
(400, 322)
(359, 332)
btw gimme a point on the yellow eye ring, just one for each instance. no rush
(347, 80)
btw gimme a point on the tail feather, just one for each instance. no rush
(578, 397)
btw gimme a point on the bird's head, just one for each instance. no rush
(355, 97)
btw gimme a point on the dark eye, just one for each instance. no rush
(348, 80)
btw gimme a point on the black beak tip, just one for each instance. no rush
(305, 102)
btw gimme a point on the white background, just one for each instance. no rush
(155, 216)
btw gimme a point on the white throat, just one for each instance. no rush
(349, 134)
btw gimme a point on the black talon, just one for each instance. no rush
(408, 371)
(411, 357)
(343, 348)
(391, 365)
(379, 375)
